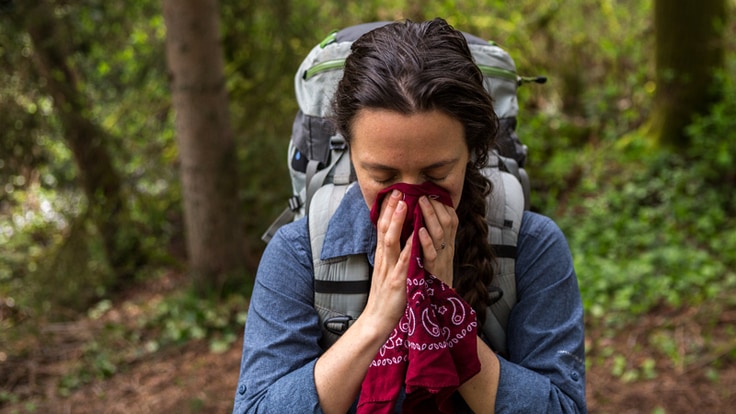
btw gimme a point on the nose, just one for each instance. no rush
(413, 179)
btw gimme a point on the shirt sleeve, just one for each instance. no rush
(280, 344)
(545, 372)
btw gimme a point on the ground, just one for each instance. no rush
(668, 361)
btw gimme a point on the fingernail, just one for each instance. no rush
(395, 193)
(401, 206)
(424, 200)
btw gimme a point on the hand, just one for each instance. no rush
(387, 297)
(438, 238)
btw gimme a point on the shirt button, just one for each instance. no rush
(241, 389)
(574, 375)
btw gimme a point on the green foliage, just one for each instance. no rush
(53, 258)
(185, 317)
(44, 244)
(646, 227)
(622, 368)
(651, 227)
(117, 52)
(72, 274)
(160, 324)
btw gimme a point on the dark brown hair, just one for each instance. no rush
(410, 68)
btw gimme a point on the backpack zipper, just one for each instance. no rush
(490, 71)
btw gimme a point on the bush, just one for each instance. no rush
(650, 227)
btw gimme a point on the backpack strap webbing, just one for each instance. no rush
(341, 284)
(504, 216)
(338, 171)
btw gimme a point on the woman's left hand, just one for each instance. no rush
(438, 238)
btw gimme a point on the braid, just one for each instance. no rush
(474, 256)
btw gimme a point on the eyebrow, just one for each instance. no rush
(378, 166)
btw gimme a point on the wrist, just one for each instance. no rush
(374, 329)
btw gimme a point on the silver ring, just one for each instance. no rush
(442, 246)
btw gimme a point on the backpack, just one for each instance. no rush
(320, 170)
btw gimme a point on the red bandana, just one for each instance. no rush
(433, 349)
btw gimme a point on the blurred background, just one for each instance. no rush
(129, 239)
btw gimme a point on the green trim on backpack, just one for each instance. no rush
(490, 71)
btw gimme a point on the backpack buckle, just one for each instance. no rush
(337, 143)
(338, 324)
(295, 203)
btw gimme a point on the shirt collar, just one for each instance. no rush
(350, 230)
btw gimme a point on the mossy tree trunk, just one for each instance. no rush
(689, 50)
(206, 146)
(102, 184)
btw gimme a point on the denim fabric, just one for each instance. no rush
(545, 372)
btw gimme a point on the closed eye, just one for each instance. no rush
(385, 175)
(386, 181)
(435, 179)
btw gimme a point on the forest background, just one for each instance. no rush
(103, 307)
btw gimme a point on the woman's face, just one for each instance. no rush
(389, 147)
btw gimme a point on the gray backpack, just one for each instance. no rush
(319, 165)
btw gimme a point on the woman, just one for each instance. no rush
(413, 109)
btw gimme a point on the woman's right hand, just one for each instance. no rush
(339, 372)
(387, 298)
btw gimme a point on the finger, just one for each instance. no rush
(446, 215)
(398, 270)
(389, 245)
(385, 259)
(388, 206)
(428, 248)
(437, 262)
(433, 220)
(405, 257)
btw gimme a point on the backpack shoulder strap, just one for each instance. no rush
(338, 170)
(505, 211)
(341, 284)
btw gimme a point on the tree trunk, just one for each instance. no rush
(206, 145)
(101, 182)
(689, 49)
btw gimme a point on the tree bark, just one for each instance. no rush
(206, 146)
(690, 47)
(101, 182)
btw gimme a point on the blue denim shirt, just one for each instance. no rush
(545, 371)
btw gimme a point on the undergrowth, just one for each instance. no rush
(134, 331)
(650, 231)
(647, 226)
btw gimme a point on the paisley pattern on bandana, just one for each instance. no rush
(433, 349)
